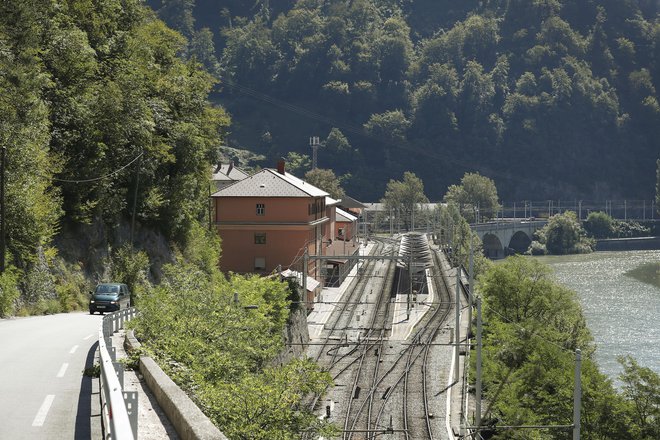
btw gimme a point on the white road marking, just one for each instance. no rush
(73, 350)
(62, 370)
(88, 336)
(40, 418)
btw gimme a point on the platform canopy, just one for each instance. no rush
(312, 284)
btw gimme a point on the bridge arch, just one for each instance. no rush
(519, 242)
(492, 246)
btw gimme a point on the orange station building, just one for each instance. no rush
(268, 220)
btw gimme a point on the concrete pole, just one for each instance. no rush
(580, 210)
(577, 395)
(304, 277)
(478, 379)
(625, 210)
(514, 211)
(3, 157)
(412, 218)
(410, 285)
(471, 281)
(391, 223)
(457, 333)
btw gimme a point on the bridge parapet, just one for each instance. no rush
(502, 237)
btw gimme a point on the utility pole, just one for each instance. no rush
(577, 395)
(135, 194)
(2, 209)
(304, 277)
(412, 218)
(410, 284)
(478, 380)
(457, 332)
(314, 143)
(471, 281)
(580, 210)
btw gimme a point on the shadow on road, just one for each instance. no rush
(84, 414)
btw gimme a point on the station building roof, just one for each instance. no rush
(271, 183)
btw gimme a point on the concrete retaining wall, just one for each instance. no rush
(188, 420)
(628, 244)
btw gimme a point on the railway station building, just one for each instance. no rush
(268, 221)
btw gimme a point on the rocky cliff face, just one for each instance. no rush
(91, 245)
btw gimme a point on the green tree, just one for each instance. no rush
(599, 225)
(456, 233)
(642, 391)
(564, 235)
(178, 14)
(327, 181)
(402, 197)
(475, 194)
(532, 327)
(297, 163)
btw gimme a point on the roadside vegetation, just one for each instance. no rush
(217, 336)
(532, 327)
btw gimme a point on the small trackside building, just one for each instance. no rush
(268, 220)
(346, 224)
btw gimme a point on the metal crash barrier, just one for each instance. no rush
(119, 408)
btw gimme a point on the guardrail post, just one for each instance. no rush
(131, 401)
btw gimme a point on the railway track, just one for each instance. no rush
(382, 386)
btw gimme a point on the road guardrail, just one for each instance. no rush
(118, 407)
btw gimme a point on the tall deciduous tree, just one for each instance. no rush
(402, 197)
(564, 235)
(327, 181)
(476, 195)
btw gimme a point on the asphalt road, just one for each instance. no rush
(43, 393)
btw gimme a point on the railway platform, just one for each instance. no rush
(329, 300)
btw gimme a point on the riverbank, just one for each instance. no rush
(628, 244)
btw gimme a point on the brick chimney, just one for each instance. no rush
(281, 166)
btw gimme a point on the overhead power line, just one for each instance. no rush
(106, 176)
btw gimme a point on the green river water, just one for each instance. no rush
(620, 297)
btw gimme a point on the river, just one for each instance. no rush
(622, 311)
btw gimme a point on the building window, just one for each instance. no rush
(260, 263)
(261, 209)
(259, 238)
(340, 232)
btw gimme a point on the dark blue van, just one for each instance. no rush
(109, 297)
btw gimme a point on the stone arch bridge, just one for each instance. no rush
(503, 238)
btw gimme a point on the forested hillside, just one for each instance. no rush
(550, 98)
(102, 121)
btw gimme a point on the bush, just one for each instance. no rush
(130, 267)
(220, 352)
(9, 292)
(537, 248)
(629, 229)
(71, 286)
(599, 225)
(564, 235)
(39, 281)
